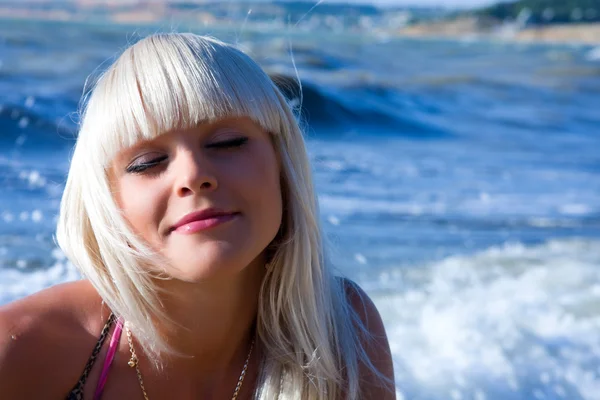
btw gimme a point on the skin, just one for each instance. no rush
(216, 274)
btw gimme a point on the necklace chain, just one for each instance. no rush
(133, 363)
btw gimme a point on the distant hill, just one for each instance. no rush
(295, 9)
(291, 11)
(540, 12)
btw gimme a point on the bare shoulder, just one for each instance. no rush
(45, 340)
(375, 343)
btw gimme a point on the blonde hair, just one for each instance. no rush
(308, 329)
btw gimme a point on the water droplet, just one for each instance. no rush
(7, 217)
(58, 254)
(36, 216)
(360, 258)
(480, 395)
(456, 394)
(20, 140)
(36, 179)
(559, 390)
(29, 101)
(23, 122)
(33, 176)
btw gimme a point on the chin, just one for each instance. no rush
(201, 266)
(198, 259)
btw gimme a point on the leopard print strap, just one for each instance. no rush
(77, 392)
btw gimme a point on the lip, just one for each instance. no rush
(203, 219)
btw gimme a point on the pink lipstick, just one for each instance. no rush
(201, 220)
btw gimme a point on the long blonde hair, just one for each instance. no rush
(166, 81)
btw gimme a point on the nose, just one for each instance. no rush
(194, 174)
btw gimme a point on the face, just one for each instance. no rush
(208, 199)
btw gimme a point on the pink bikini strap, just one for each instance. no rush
(110, 355)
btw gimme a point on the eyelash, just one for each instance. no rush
(141, 167)
(224, 145)
(228, 144)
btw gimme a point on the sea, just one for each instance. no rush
(458, 181)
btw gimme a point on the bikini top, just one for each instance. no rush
(77, 392)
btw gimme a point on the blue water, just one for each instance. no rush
(459, 183)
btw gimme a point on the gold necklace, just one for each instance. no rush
(133, 363)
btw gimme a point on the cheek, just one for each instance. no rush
(140, 207)
(270, 199)
(259, 180)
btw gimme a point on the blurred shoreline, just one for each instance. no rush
(461, 28)
(479, 28)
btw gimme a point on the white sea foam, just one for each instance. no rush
(347, 205)
(510, 322)
(17, 283)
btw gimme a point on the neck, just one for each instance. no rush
(214, 320)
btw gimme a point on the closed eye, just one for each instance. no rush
(228, 144)
(139, 167)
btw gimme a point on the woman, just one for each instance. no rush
(190, 211)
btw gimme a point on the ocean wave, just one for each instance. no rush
(329, 111)
(18, 283)
(23, 127)
(462, 213)
(513, 321)
(359, 107)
